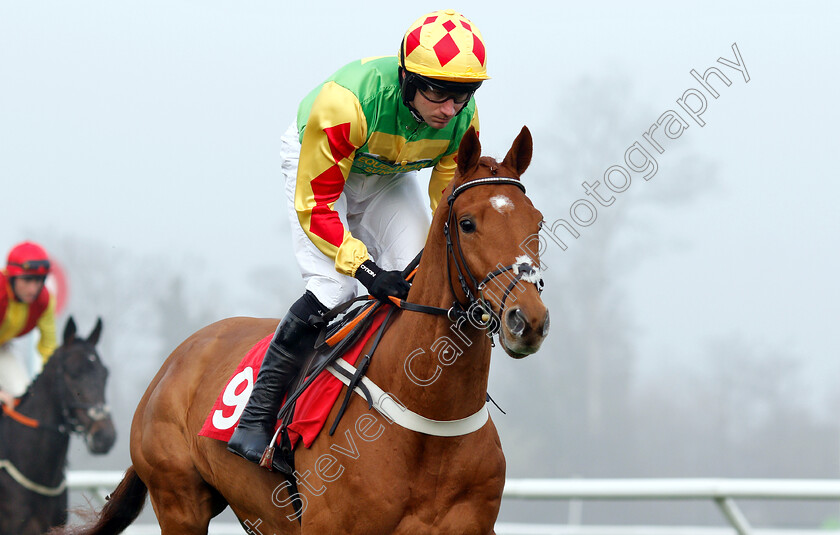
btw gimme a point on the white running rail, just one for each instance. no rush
(723, 492)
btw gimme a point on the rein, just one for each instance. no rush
(69, 423)
(478, 309)
(20, 418)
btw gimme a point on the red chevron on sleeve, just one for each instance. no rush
(338, 137)
(327, 187)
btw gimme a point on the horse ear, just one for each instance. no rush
(69, 330)
(519, 156)
(93, 339)
(469, 151)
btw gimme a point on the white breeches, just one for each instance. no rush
(388, 213)
(13, 378)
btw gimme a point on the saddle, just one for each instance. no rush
(344, 331)
(346, 334)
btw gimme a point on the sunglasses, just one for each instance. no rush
(439, 97)
(32, 265)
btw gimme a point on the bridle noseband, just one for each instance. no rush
(477, 310)
(477, 305)
(69, 422)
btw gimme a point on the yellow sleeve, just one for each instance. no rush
(336, 127)
(444, 171)
(46, 325)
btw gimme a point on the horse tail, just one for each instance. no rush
(121, 509)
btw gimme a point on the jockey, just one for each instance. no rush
(349, 161)
(24, 305)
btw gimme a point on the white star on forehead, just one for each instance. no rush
(501, 204)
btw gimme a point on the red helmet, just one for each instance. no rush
(27, 258)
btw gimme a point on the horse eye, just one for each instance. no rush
(467, 225)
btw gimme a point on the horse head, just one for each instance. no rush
(81, 388)
(489, 230)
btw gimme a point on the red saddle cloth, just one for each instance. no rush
(311, 410)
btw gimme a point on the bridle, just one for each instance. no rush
(477, 309)
(70, 422)
(95, 411)
(523, 269)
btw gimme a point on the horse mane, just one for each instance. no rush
(46, 371)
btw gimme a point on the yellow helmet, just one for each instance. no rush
(444, 45)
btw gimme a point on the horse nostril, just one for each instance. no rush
(546, 324)
(516, 321)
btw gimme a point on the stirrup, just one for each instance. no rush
(267, 459)
(271, 462)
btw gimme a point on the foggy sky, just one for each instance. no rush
(154, 128)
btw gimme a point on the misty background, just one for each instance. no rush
(693, 322)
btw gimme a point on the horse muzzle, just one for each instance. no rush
(96, 425)
(101, 437)
(522, 333)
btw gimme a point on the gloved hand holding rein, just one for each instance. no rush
(382, 284)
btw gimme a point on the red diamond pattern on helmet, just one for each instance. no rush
(448, 26)
(478, 49)
(466, 25)
(412, 41)
(430, 20)
(446, 49)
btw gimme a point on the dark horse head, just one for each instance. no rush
(68, 396)
(78, 384)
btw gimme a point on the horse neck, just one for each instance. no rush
(425, 346)
(40, 452)
(42, 401)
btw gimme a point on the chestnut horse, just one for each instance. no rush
(371, 476)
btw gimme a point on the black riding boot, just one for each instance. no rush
(293, 340)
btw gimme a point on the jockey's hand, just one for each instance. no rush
(6, 399)
(382, 284)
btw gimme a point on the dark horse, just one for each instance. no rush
(373, 475)
(67, 397)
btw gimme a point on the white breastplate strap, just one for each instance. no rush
(394, 411)
(28, 484)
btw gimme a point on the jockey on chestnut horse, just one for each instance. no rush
(430, 460)
(350, 163)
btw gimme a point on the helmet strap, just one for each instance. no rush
(409, 90)
(14, 290)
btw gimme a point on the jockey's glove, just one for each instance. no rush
(382, 284)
